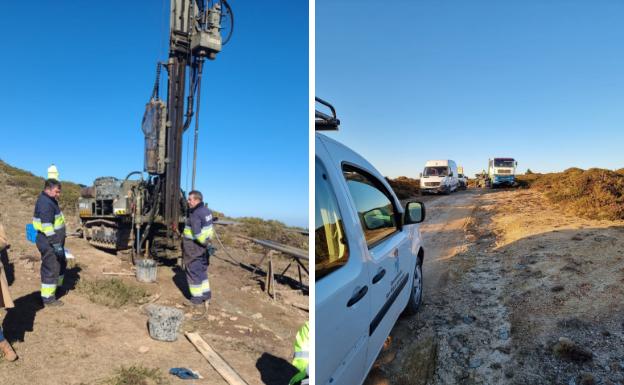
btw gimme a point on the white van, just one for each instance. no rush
(439, 176)
(368, 262)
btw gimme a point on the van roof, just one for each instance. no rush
(346, 151)
(444, 162)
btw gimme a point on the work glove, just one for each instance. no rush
(184, 373)
(59, 251)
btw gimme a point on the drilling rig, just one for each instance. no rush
(145, 211)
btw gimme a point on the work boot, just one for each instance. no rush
(54, 303)
(7, 351)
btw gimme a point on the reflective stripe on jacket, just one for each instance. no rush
(302, 348)
(198, 230)
(48, 219)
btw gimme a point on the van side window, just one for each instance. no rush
(331, 251)
(375, 209)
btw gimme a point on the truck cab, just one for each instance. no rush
(502, 171)
(368, 262)
(439, 176)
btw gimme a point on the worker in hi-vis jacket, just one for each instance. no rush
(49, 222)
(198, 231)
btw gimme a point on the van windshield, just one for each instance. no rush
(436, 171)
(503, 162)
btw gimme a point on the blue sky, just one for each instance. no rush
(76, 77)
(541, 81)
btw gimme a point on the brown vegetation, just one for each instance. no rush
(405, 187)
(273, 230)
(137, 375)
(102, 325)
(593, 194)
(113, 293)
(32, 185)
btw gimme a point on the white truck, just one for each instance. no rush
(439, 176)
(502, 171)
(368, 260)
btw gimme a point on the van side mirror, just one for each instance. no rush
(421, 174)
(414, 212)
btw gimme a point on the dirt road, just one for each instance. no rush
(444, 234)
(411, 355)
(516, 292)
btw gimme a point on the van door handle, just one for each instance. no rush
(379, 276)
(357, 296)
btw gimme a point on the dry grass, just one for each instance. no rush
(568, 350)
(593, 194)
(112, 293)
(32, 185)
(273, 230)
(405, 187)
(137, 375)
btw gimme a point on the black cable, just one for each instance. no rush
(197, 108)
(229, 11)
(134, 173)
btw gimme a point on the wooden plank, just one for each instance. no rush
(128, 274)
(267, 280)
(272, 278)
(221, 366)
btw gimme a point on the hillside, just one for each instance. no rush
(30, 185)
(102, 331)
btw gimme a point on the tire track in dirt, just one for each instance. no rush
(472, 321)
(461, 333)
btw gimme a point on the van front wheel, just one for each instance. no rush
(416, 291)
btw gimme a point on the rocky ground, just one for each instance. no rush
(517, 292)
(87, 343)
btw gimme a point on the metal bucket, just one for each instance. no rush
(146, 270)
